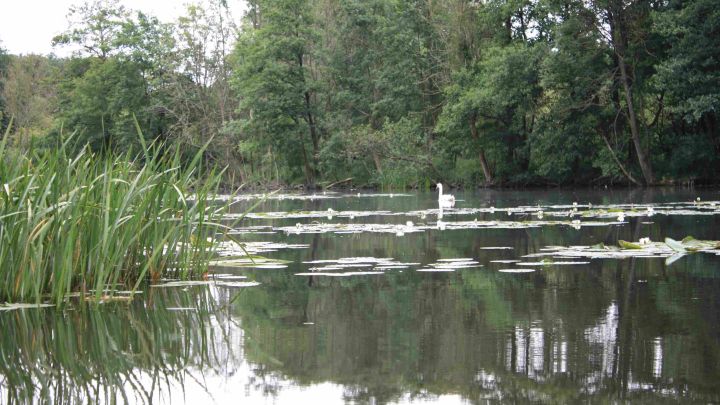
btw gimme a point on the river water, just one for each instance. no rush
(514, 296)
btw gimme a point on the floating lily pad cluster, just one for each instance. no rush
(403, 229)
(372, 265)
(576, 216)
(212, 282)
(449, 265)
(353, 266)
(273, 196)
(233, 248)
(573, 215)
(329, 214)
(247, 254)
(575, 210)
(669, 249)
(340, 228)
(325, 195)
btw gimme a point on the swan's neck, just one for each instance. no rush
(440, 190)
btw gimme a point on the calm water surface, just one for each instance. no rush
(611, 331)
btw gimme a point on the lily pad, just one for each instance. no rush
(12, 307)
(347, 274)
(237, 284)
(183, 283)
(629, 245)
(675, 245)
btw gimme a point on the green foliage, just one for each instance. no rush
(87, 223)
(99, 99)
(691, 73)
(274, 81)
(318, 91)
(687, 82)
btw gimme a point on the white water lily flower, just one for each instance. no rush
(645, 241)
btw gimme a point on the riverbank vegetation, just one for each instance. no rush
(391, 93)
(94, 224)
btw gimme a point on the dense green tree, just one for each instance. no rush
(275, 80)
(395, 92)
(492, 101)
(377, 66)
(579, 130)
(99, 99)
(688, 87)
(111, 82)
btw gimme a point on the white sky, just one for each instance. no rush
(28, 26)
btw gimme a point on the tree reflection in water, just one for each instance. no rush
(479, 335)
(547, 337)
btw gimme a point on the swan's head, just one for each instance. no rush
(439, 185)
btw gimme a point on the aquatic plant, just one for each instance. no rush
(670, 249)
(93, 223)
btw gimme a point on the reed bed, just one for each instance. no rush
(96, 224)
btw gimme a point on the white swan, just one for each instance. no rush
(445, 200)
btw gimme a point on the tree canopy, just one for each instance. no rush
(393, 92)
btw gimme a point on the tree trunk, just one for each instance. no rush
(313, 128)
(481, 154)
(619, 35)
(376, 159)
(645, 165)
(310, 121)
(617, 161)
(309, 174)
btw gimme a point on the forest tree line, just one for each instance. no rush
(390, 93)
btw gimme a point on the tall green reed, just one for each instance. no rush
(94, 223)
